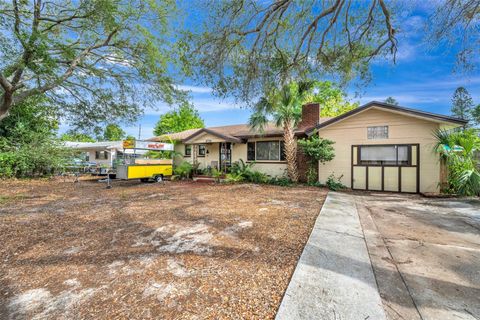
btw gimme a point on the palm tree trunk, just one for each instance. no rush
(290, 151)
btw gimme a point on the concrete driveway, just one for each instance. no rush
(425, 254)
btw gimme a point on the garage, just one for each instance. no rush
(386, 167)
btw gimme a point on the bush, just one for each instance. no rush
(216, 174)
(234, 178)
(241, 168)
(258, 177)
(317, 150)
(280, 181)
(334, 183)
(458, 149)
(184, 170)
(28, 145)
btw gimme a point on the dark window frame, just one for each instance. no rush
(188, 150)
(101, 155)
(380, 163)
(252, 152)
(201, 151)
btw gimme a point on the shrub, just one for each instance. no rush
(280, 181)
(458, 149)
(234, 178)
(334, 183)
(28, 146)
(241, 168)
(258, 177)
(216, 174)
(184, 170)
(317, 150)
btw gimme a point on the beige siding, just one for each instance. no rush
(402, 130)
(206, 161)
(239, 151)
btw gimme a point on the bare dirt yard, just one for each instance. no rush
(425, 253)
(146, 250)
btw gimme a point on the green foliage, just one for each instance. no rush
(280, 181)
(283, 104)
(183, 118)
(458, 148)
(462, 104)
(476, 115)
(130, 137)
(113, 132)
(318, 150)
(248, 47)
(101, 60)
(245, 170)
(28, 146)
(234, 177)
(76, 136)
(216, 174)
(331, 99)
(334, 183)
(184, 170)
(391, 100)
(258, 177)
(242, 168)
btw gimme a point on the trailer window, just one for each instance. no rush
(101, 155)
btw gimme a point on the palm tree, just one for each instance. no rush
(284, 105)
(458, 149)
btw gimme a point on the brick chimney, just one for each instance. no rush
(310, 115)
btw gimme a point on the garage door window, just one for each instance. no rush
(385, 155)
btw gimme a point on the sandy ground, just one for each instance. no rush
(139, 251)
(425, 254)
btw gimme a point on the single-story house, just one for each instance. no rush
(378, 146)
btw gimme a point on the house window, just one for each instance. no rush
(392, 155)
(282, 151)
(201, 150)
(188, 150)
(251, 151)
(101, 155)
(379, 132)
(265, 151)
(268, 150)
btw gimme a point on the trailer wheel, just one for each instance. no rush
(158, 178)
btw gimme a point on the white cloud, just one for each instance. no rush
(423, 90)
(195, 89)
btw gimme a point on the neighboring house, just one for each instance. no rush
(377, 147)
(101, 153)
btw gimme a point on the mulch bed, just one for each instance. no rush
(182, 250)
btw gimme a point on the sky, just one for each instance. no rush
(422, 78)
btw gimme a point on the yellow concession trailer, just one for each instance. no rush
(134, 166)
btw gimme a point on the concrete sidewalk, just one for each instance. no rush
(334, 277)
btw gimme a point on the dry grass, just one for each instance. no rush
(139, 251)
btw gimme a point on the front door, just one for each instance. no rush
(225, 156)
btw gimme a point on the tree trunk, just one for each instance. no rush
(5, 105)
(290, 151)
